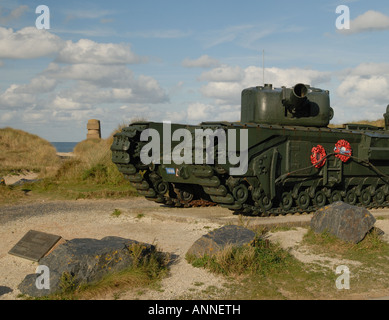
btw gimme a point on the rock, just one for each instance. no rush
(217, 240)
(5, 290)
(346, 222)
(24, 181)
(83, 261)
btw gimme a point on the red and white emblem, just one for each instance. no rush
(343, 150)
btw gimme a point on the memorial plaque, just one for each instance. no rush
(34, 245)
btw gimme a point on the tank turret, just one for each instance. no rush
(301, 105)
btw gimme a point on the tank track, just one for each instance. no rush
(147, 182)
(232, 193)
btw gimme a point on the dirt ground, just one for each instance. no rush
(173, 230)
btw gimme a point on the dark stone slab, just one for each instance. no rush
(217, 240)
(34, 245)
(24, 181)
(5, 290)
(84, 261)
(346, 222)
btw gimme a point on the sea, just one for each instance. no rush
(64, 146)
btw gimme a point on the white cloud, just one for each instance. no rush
(16, 97)
(38, 85)
(81, 79)
(369, 21)
(28, 43)
(8, 116)
(363, 92)
(173, 116)
(223, 74)
(88, 51)
(95, 84)
(31, 43)
(13, 14)
(204, 61)
(34, 117)
(67, 103)
(223, 92)
(26, 95)
(226, 83)
(199, 112)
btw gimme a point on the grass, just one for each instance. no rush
(22, 151)
(371, 247)
(261, 259)
(369, 258)
(266, 271)
(263, 271)
(8, 195)
(90, 174)
(116, 213)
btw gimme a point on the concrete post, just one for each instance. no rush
(94, 129)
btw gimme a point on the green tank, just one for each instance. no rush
(280, 158)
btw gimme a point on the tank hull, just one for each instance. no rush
(281, 169)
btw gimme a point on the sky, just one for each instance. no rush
(183, 61)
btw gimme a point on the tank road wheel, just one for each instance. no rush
(365, 197)
(335, 196)
(379, 197)
(286, 201)
(303, 200)
(162, 187)
(241, 193)
(265, 203)
(351, 197)
(320, 199)
(186, 196)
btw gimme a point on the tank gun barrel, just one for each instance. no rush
(297, 99)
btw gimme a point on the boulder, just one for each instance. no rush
(217, 240)
(83, 261)
(346, 222)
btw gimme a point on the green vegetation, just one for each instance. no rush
(262, 271)
(22, 151)
(89, 174)
(266, 271)
(262, 259)
(116, 213)
(372, 247)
